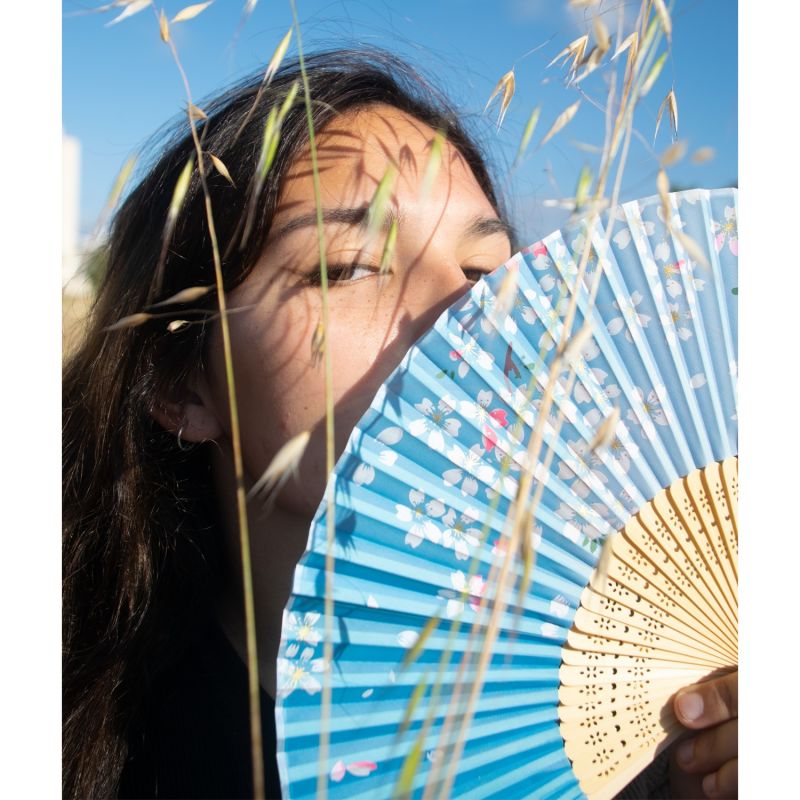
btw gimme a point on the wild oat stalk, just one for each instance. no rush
(256, 748)
(523, 510)
(324, 739)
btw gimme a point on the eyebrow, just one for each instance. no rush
(479, 226)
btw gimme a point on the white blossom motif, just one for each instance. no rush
(364, 474)
(662, 251)
(294, 673)
(636, 226)
(459, 533)
(474, 587)
(559, 607)
(671, 273)
(620, 453)
(481, 412)
(679, 318)
(419, 515)
(698, 380)
(727, 231)
(610, 390)
(436, 417)
(652, 408)
(591, 466)
(469, 347)
(627, 307)
(550, 631)
(470, 463)
(407, 639)
(302, 630)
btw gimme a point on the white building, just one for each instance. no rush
(71, 251)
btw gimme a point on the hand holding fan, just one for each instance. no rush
(639, 450)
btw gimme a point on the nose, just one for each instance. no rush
(435, 282)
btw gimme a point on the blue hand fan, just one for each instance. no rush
(638, 465)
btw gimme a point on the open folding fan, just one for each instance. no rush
(576, 695)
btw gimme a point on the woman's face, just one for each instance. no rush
(446, 237)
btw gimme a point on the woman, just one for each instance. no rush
(154, 647)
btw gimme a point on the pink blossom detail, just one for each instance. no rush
(539, 249)
(360, 769)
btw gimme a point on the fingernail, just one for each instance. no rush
(710, 784)
(690, 706)
(685, 752)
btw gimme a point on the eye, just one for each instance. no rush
(474, 274)
(341, 273)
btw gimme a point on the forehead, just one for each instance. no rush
(355, 149)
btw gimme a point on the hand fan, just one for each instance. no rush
(573, 697)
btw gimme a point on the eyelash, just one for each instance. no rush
(339, 274)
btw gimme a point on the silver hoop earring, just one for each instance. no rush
(180, 432)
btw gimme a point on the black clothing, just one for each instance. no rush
(194, 741)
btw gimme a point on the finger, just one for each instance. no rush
(709, 750)
(709, 703)
(724, 782)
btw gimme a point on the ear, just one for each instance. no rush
(193, 416)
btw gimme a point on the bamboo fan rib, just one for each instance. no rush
(588, 651)
(660, 615)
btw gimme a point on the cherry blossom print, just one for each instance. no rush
(419, 516)
(459, 533)
(559, 607)
(473, 587)
(364, 474)
(679, 318)
(627, 307)
(636, 226)
(358, 769)
(298, 673)
(671, 274)
(470, 463)
(727, 232)
(435, 418)
(302, 630)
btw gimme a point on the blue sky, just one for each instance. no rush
(119, 83)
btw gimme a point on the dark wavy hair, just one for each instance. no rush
(140, 557)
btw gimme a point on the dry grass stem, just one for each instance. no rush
(652, 76)
(631, 41)
(702, 154)
(673, 154)
(283, 466)
(506, 84)
(277, 57)
(131, 321)
(221, 168)
(179, 192)
(434, 163)
(177, 324)
(663, 15)
(574, 49)
(388, 249)
(190, 12)
(185, 296)
(562, 120)
(378, 206)
(691, 246)
(601, 35)
(163, 26)
(196, 112)
(527, 134)
(606, 431)
(130, 9)
(575, 346)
